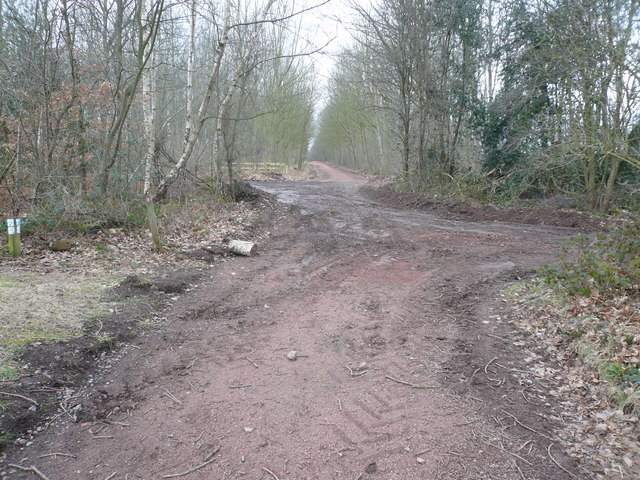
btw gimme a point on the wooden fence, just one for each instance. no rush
(266, 167)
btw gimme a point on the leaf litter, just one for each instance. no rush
(597, 341)
(59, 306)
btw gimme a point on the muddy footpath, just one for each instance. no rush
(364, 341)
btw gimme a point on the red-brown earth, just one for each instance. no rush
(404, 368)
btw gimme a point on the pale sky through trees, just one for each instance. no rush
(330, 21)
(527, 97)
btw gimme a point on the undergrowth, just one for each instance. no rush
(596, 307)
(607, 265)
(467, 188)
(604, 334)
(71, 216)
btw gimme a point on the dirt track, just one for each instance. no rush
(376, 302)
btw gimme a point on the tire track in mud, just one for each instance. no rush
(352, 287)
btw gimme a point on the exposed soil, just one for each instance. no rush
(404, 368)
(63, 366)
(386, 195)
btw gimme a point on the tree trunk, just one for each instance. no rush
(190, 59)
(147, 34)
(241, 71)
(150, 122)
(194, 134)
(611, 184)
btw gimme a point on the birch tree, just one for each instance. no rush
(147, 32)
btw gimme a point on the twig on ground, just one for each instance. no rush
(33, 469)
(340, 404)
(213, 452)
(456, 454)
(497, 336)
(170, 395)
(497, 420)
(252, 362)
(474, 374)
(54, 418)
(101, 437)
(409, 384)
(511, 369)
(465, 423)
(209, 459)
(191, 364)
(100, 429)
(557, 464)
(498, 382)
(524, 445)
(355, 374)
(487, 365)
(115, 424)
(111, 476)
(422, 452)
(519, 470)
(57, 454)
(193, 386)
(15, 395)
(240, 386)
(275, 477)
(508, 452)
(526, 427)
(360, 476)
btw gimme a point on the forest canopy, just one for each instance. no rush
(106, 102)
(526, 98)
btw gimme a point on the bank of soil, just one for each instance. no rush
(404, 366)
(65, 313)
(387, 195)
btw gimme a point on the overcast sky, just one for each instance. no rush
(322, 25)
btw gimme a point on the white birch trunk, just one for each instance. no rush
(240, 247)
(150, 122)
(190, 61)
(149, 112)
(241, 70)
(202, 111)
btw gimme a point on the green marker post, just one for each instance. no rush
(13, 232)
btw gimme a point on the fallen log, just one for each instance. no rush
(240, 247)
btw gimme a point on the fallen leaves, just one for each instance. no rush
(597, 341)
(48, 295)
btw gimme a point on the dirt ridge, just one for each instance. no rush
(379, 304)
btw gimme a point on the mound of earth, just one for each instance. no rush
(386, 195)
(61, 366)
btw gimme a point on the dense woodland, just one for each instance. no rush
(104, 103)
(511, 98)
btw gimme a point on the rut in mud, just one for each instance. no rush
(393, 318)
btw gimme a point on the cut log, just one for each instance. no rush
(240, 247)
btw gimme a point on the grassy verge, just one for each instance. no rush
(50, 296)
(37, 307)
